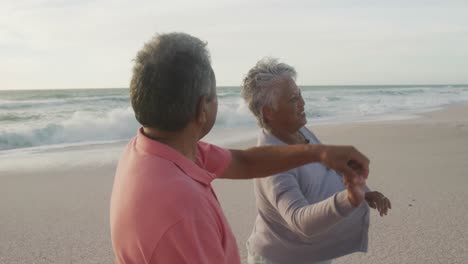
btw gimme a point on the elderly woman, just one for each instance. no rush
(308, 214)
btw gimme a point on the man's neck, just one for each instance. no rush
(184, 141)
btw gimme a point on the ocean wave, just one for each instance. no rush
(105, 117)
(116, 124)
(28, 104)
(233, 114)
(14, 117)
(92, 126)
(227, 94)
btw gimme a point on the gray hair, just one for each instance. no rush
(260, 87)
(171, 73)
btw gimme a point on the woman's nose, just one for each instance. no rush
(301, 101)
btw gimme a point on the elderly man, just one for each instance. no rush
(305, 214)
(163, 208)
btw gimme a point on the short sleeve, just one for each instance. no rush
(212, 158)
(190, 241)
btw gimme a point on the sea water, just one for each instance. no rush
(58, 118)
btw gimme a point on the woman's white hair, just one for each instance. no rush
(260, 87)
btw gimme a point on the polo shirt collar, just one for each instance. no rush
(166, 152)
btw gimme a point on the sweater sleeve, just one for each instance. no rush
(283, 192)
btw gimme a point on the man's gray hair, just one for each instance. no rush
(260, 89)
(171, 73)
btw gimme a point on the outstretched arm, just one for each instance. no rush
(258, 162)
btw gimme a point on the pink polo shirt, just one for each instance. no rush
(163, 209)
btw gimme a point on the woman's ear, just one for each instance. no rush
(267, 113)
(202, 108)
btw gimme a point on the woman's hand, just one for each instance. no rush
(356, 190)
(377, 200)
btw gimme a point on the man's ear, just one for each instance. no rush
(202, 109)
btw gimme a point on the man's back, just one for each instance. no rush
(163, 209)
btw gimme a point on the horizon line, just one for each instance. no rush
(219, 86)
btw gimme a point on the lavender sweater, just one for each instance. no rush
(304, 214)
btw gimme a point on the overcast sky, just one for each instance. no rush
(90, 44)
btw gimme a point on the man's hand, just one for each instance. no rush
(348, 161)
(378, 201)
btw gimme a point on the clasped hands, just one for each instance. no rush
(354, 167)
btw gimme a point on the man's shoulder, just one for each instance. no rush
(141, 161)
(204, 148)
(155, 182)
(160, 198)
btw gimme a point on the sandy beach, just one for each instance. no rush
(54, 205)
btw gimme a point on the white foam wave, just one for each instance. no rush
(234, 113)
(116, 124)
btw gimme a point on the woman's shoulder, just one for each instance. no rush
(265, 138)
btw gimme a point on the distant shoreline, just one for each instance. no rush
(237, 86)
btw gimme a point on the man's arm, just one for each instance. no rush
(258, 162)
